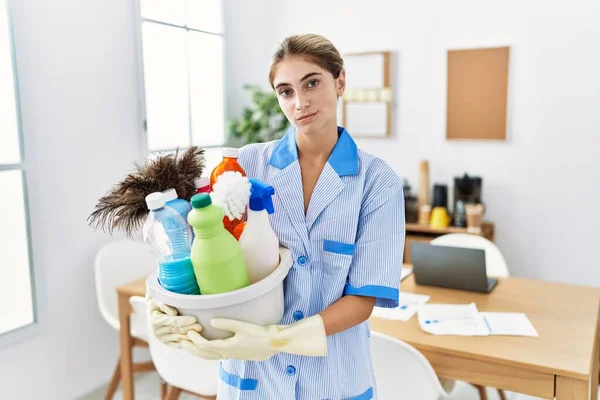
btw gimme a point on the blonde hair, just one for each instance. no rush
(315, 48)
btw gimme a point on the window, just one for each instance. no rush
(182, 61)
(16, 276)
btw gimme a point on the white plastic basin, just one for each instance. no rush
(261, 303)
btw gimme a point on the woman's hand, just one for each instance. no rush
(167, 325)
(259, 343)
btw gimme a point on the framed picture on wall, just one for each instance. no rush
(366, 107)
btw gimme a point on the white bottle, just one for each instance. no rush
(259, 243)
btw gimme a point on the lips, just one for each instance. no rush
(302, 118)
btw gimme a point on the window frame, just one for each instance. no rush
(32, 329)
(141, 89)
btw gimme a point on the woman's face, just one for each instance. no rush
(307, 94)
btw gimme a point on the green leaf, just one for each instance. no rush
(262, 121)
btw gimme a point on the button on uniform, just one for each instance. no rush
(290, 370)
(298, 315)
(302, 260)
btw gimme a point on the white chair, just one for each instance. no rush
(494, 260)
(118, 263)
(495, 265)
(182, 371)
(402, 372)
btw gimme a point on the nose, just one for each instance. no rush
(301, 101)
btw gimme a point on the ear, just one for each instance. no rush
(340, 83)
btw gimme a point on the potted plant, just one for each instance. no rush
(263, 121)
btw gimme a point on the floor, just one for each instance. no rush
(147, 387)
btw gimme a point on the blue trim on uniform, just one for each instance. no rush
(236, 381)
(368, 395)
(285, 152)
(343, 158)
(380, 292)
(338, 247)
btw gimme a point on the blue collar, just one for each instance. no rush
(343, 159)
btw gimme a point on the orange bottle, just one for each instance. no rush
(238, 230)
(229, 163)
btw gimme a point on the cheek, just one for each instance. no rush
(286, 105)
(329, 102)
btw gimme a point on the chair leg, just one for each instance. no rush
(163, 389)
(501, 394)
(172, 393)
(482, 392)
(114, 381)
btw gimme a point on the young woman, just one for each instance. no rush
(340, 211)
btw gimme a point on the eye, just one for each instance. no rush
(285, 92)
(312, 83)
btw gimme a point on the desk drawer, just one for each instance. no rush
(487, 373)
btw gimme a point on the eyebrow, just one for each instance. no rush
(310, 74)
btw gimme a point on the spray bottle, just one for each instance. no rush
(259, 243)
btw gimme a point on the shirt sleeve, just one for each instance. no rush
(379, 249)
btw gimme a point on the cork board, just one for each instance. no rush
(477, 94)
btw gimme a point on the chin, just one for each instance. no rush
(306, 130)
(311, 129)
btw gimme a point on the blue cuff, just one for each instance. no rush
(387, 297)
(236, 381)
(368, 395)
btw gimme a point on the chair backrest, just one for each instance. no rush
(178, 367)
(402, 372)
(118, 263)
(495, 264)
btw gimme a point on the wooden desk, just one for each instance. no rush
(561, 362)
(124, 292)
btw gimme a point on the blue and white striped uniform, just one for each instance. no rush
(349, 242)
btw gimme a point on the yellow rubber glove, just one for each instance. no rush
(259, 343)
(167, 325)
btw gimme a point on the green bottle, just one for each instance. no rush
(216, 254)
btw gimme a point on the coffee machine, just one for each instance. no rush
(467, 190)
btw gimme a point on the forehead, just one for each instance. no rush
(293, 69)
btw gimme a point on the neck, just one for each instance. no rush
(317, 147)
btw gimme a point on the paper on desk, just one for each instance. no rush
(466, 320)
(405, 273)
(452, 319)
(409, 305)
(510, 324)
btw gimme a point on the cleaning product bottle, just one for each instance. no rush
(170, 237)
(202, 185)
(259, 243)
(229, 163)
(182, 206)
(238, 230)
(216, 255)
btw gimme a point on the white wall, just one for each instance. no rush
(79, 109)
(540, 186)
(247, 48)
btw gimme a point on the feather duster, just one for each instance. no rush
(124, 206)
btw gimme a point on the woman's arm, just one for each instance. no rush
(347, 312)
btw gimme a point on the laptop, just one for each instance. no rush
(450, 267)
